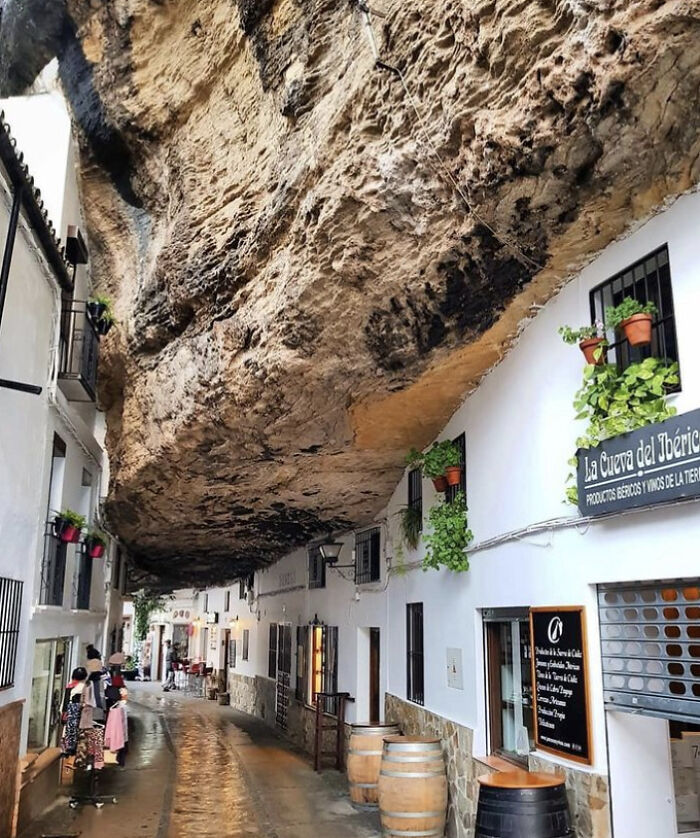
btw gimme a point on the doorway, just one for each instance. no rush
(374, 675)
(49, 678)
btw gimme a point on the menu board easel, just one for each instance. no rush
(560, 682)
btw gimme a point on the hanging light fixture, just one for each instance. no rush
(330, 550)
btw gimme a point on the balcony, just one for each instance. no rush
(79, 345)
(53, 569)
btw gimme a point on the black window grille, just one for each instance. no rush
(227, 601)
(246, 643)
(10, 610)
(317, 568)
(272, 653)
(232, 652)
(325, 666)
(367, 556)
(414, 653)
(78, 353)
(452, 491)
(82, 581)
(206, 603)
(648, 280)
(415, 492)
(241, 589)
(53, 569)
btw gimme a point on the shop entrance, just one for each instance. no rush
(49, 677)
(650, 643)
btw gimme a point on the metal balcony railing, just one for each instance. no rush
(53, 568)
(78, 354)
(82, 580)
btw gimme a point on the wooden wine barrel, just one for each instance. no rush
(412, 788)
(364, 758)
(519, 803)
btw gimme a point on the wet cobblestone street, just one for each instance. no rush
(197, 769)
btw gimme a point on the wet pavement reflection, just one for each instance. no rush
(197, 769)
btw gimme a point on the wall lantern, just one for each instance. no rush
(330, 553)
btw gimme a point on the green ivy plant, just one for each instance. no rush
(439, 457)
(414, 459)
(145, 604)
(448, 536)
(614, 315)
(615, 402)
(411, 522)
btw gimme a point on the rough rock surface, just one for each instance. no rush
(302, 292)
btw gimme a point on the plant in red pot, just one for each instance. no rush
(95, 544)
(590, 339)
(442, 464)
(67, 526)
(634, 318)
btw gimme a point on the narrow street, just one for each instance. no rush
(197, 769)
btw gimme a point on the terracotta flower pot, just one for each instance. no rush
(637, 329)
(70, 534)
(588, 347)
(453, 475)
(440, 483)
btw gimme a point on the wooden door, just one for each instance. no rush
(374, 708)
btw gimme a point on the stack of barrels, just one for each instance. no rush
(403, 775)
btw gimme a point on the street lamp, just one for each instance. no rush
(330, 553)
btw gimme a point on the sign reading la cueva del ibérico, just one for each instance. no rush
(651, 465)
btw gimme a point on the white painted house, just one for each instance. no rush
(55, 598)
(451, 652)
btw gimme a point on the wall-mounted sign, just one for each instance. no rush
(654, 464)
(211, 617)
(454, 669)
(560, 681)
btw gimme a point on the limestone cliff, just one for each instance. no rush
(310, 274)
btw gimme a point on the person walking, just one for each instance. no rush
(169, 682)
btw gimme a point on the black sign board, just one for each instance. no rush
(560, 682)
(654, 464)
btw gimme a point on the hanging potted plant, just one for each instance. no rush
(411, 518)
(104, 324)
(590, 339)
(67, 526)
(95, 544)
(634, 318)
(442, 464)
(97, 306)
(448, 536)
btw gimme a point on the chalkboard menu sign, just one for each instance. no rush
(560, 682)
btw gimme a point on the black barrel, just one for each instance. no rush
(521, 804)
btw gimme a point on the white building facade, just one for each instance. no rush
(56, 598)
(451, 653)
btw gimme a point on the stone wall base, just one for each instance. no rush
(588, 793)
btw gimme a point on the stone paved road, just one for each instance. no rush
(197, 770)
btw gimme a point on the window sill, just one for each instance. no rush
(498, 763)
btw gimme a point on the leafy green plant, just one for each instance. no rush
(614, 315)
(448, 535)
(569, 335)
(72, 519)
(145, 604)
(615, 402)
(414, 459)
(411, 521)
(439, 457)
(96, 537)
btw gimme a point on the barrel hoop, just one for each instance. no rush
(412, 814)
(364, 753)
(420, 834)
(364, 785)
(416, 775)
(412, 746)
(388, 758)
(371, 730)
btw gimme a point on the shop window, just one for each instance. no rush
(648, 280)
(685, 762)
(414, 653)
(509, 683)
(453, 491)
(367, 556)
(10, 608)
(272, 652)
(49, 674)
(246, 643)
(317, 664)
(317, 568)
(415, 492)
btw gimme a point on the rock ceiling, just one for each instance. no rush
(308, 275)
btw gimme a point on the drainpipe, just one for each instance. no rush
(4, 280)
